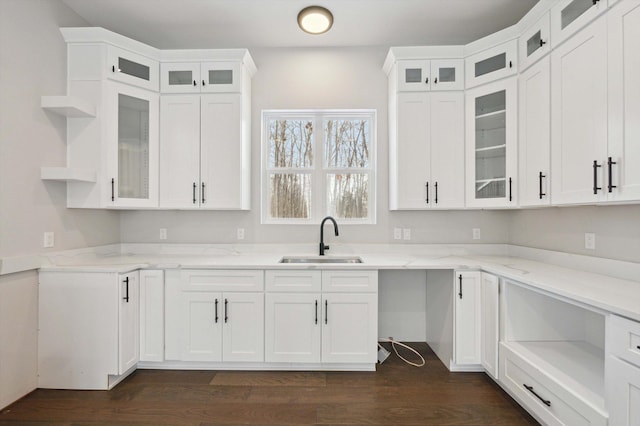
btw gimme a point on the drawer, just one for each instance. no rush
(542, 396)
(293, 281)
(623, 339)
(235, 280)
(350, 281)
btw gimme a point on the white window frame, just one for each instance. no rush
(319, 170)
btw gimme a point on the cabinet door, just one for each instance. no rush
(534, 144)
(292, 327)
(180, 151)
(152, 315)
(349, 328)
(447, 74)
(447, 150)
(467, 318)
(535, 42)
(409, 159)
(243, 330)
(623, 172)
(129, 322)
(569, 16)
(491, 122)
(623, 392)
(489, 338)
(133, 146)
(414, 76)
(492, 64)
(579, 121)
(131, 68)
(222, 157)
(202, 328)
(180, 77)
(222, 76)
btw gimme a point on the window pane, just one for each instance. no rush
(347, 143)
(290, 143)
(290, 195)
(348, 195)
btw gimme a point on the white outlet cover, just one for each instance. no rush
(406, 233)
(240, 233)
(590, 241)
(48, 240)
(397, 233)
(163, 233)
(476, 233)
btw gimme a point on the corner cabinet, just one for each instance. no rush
(491, 149)
(492, 64)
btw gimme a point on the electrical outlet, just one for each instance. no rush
(240, 232)
(406, 234)
(590, 241)
(163, 233)
(47, 240)
(397, 233)
(476, 233)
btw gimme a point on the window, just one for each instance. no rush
(318, 163)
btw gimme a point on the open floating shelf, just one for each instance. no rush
(66, 174)
(68, 106)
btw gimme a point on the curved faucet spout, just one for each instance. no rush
(324, 247)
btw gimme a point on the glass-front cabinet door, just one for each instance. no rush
(569, 16)
(131, 68)
(491, 148)
(180, 77)
(414, 75)
(221, 76)
(492, 64)
(447, 74)
(133, 148)
(534, 42)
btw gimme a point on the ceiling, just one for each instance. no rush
(179, 24)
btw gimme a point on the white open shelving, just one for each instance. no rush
(67, 174)
(68, 106)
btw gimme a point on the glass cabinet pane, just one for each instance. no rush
(491, 152)
(220, 76)
(534, 43)
(492, 64)
(413, 75)
(177, 78)
(446, 75)
(573, 11)
(133, 69)
(133, 147)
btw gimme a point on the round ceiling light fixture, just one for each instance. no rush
(315, 20)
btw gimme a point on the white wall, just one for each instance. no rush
(307, 79)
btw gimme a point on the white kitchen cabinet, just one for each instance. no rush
(414, 75)
(205, 151)
(427, 75)
(426, 167)
(196, 77)
(491, 149)
(579, 120)
(569, 16)
(132, 68)
(492, 64)
(534, 143)
(178, 77)
(535, 42)
(623, 380)
(490, 323)
(152, 315)
(622, 171)
(467, 317)
(202, 326)
(95, 344)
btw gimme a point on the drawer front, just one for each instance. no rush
(350, 281)
(623, 338)
(208, 280)
(548, 400)
(293, 281)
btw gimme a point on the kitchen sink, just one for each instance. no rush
(320, 259)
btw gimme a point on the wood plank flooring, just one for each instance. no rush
(396, 394)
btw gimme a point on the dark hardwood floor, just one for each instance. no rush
(397, 394)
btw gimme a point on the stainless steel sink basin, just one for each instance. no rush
(320, 259)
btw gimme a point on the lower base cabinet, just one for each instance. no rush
(623, 386)
(467, 318)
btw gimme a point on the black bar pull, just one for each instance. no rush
(638, 348)
(203, 82)
(542, 42)
(426, 185)
(510, 64)
(426, 81)
(316, 311)
(194, 192)
(460, 279)
(216, 316)
(113, 68)
(226, 311)
(436, 186)
(540, 176)
(435, 80)
(510, 192)
(326, 311)
(610, 163)
(203, 201)
(194, 83)
(544, 401)
(113, 189)
(596, 188)
(126, 291)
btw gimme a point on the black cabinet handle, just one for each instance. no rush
(596, 188)
(595, 2)
(194, 192)
(426, 81)
(510, 64)
(226, 311)
(126, 291)
(426, 185)
(540, 176)
(203, 82)
(638, 348)
(436, 186)
(435, 80)
(113, 68)
(544, 401)
(113, 189)
(195, 83)
(460, 292)
(316, 311)
(326, 311)
(610, 163)
(216, 315)
(510, 192)
(203, 201)
(542, 42)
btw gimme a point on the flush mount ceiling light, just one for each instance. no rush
(315, 20)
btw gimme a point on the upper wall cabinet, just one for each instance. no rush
(534, 42)
(569, 16)
(132, 68)
(492, 64)
(206, 77)
(424, 75)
